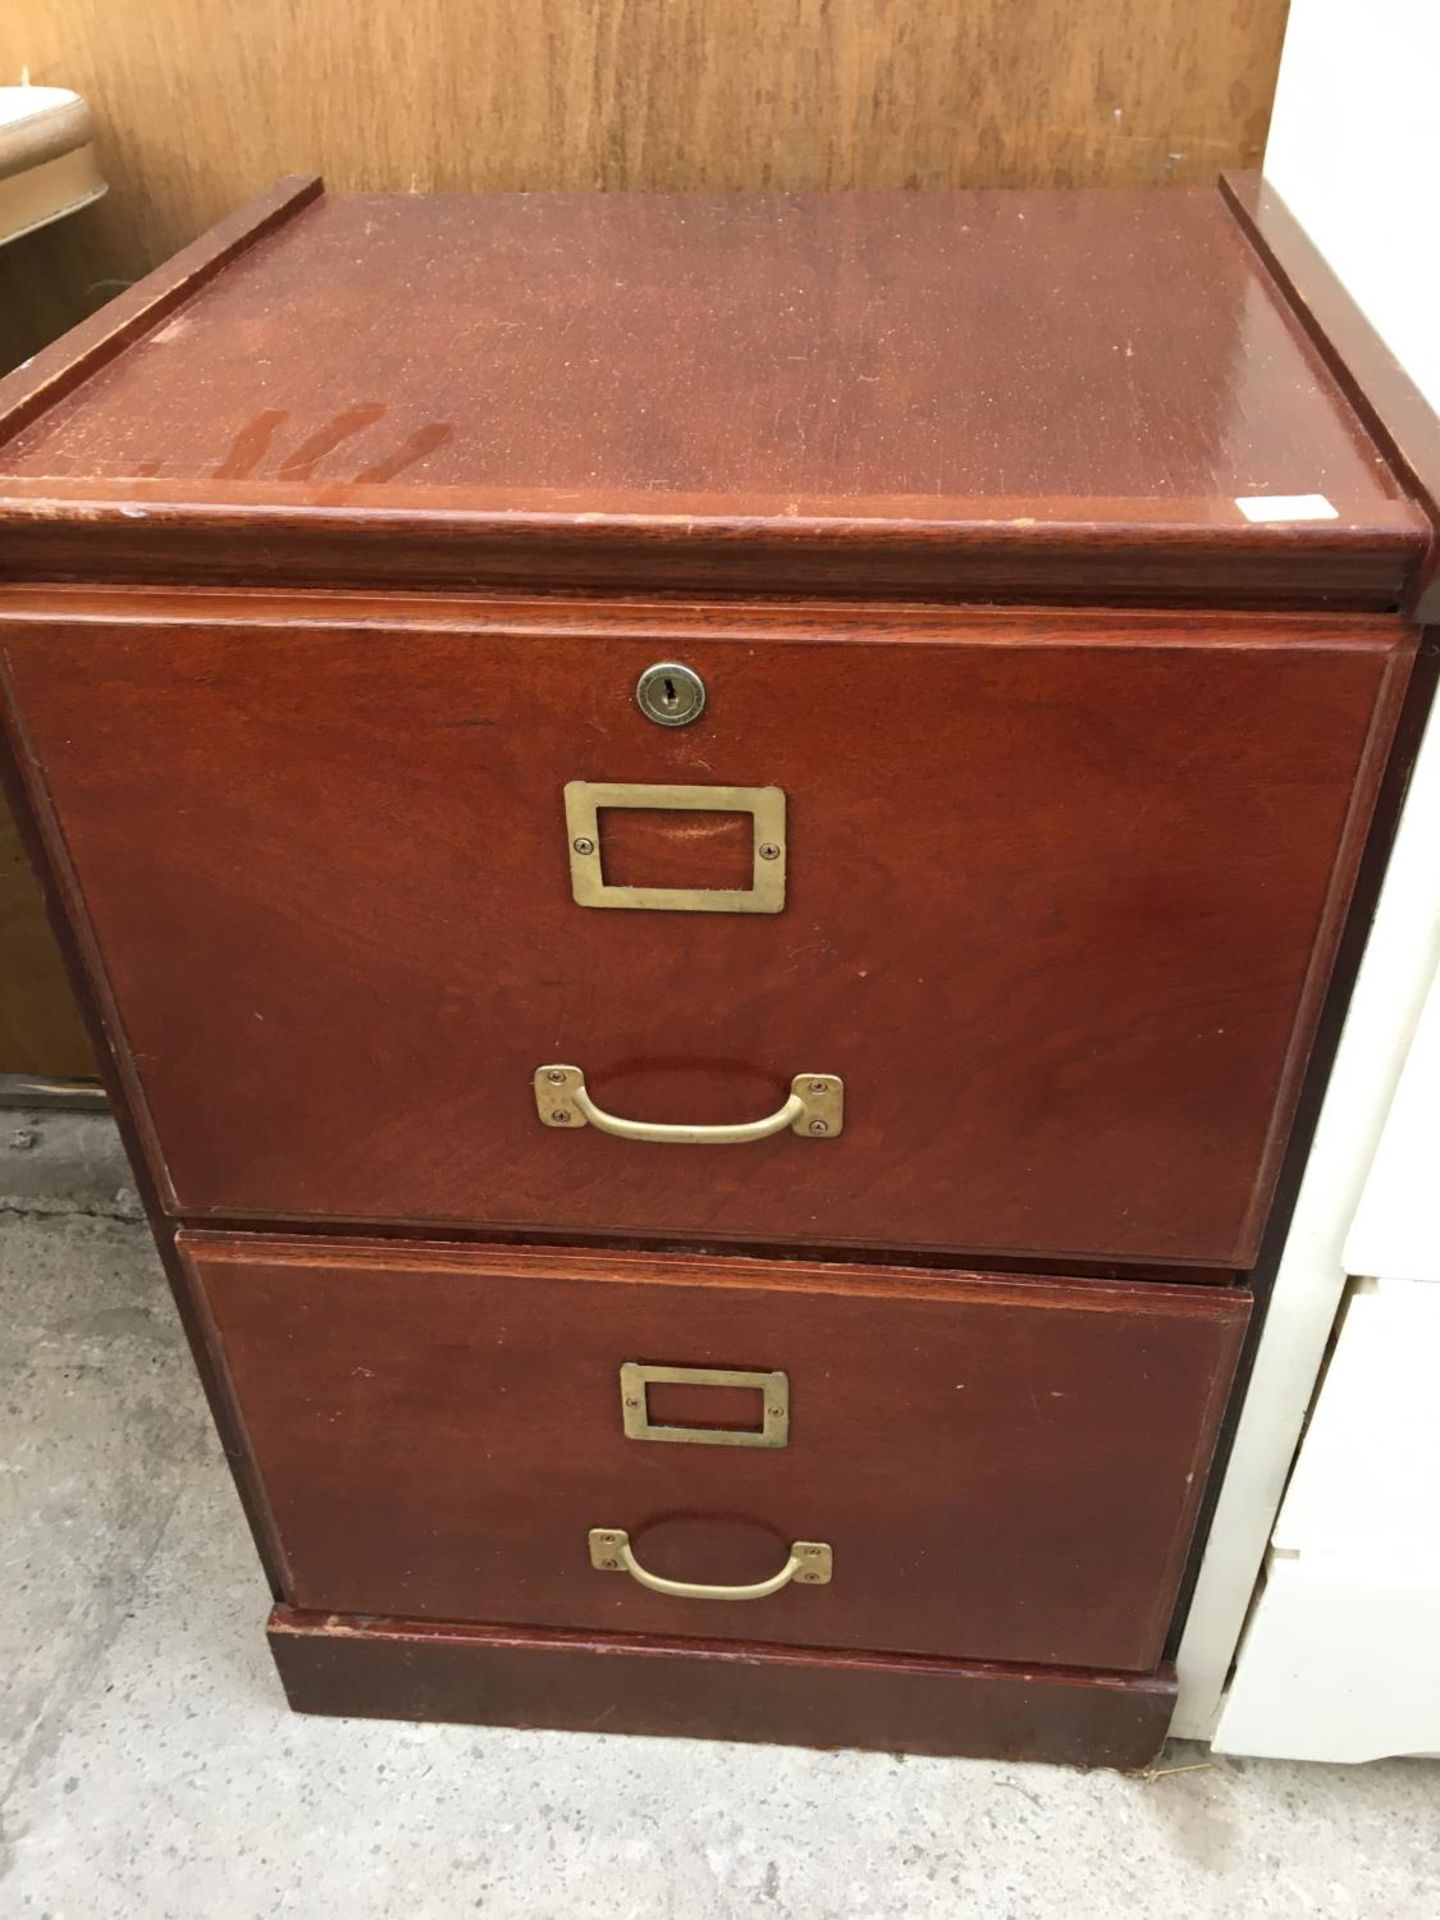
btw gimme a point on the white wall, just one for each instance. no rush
(1353, 150)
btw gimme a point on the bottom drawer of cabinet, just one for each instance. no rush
(987, 1468)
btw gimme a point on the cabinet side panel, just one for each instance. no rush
(25, 789)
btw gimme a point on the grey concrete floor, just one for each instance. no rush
(153, 1770)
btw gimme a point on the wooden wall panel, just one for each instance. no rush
(203, 104)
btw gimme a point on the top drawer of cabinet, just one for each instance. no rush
(1010, 930)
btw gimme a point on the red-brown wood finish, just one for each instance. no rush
(1396, 414)
(589, 1683)
(1066, 890)
(1005, 1470)
(1016, 394)
(1062, 897)
(64, 366)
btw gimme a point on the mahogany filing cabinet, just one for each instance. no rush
(714, 845)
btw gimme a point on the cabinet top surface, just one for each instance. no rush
(1001, 360)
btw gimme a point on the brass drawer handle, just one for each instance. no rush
(815, 1110)
(810, 1562)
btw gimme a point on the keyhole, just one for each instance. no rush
(670, 694)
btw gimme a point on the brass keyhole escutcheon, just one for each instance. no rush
(670, 694)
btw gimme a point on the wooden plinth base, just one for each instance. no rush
(513, 1677)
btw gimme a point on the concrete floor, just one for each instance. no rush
(153, 1769)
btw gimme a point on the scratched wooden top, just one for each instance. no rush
(912, 384)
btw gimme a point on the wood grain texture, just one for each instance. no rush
(589, 1683)
(84, 975)
(41, 1030)
(1034, 395)
(1006, 1469)
(58, 369)
(660, 94)
(147, 532)
(1063, 893)
(1399, 417)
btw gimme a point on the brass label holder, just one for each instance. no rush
(773, 1388)
(585, 800)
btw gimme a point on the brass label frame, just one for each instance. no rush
(585, 800)
(774, 1389)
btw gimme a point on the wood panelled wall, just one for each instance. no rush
(203, 102)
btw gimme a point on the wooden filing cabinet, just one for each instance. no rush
(708, 839)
